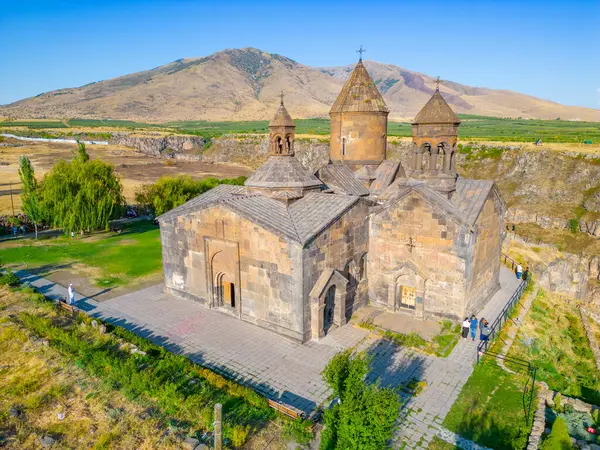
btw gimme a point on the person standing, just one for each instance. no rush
(485, 331)
(71, 294)
(473, 327)
(465, 327)
(519, 271)
(526, 273)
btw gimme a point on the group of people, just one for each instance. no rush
(470, 326)
(522, 274)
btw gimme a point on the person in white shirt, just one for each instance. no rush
(466, 325)
(519, 271)
(71, 294)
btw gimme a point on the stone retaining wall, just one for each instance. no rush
(539, 419)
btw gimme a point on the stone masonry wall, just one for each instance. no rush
(345, 240)
(484, 269)
(268, 284)
(440, 255)
(365, 135)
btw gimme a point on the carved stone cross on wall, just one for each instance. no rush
(411, 244)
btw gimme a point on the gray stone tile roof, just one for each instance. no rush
(385, 175)
(316, 211)
(359, 94)
(282, 172)
(208, 198)
(466, 203)
(436, 110)
(367, 172)
(470, 197)
(301, 221)
(341, 180)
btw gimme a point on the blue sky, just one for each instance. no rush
(549, 49)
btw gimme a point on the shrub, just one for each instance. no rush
(9, 279)
(596, 416)
(365, 414)
(559, 437)
(574, 225)
(239, 434)
(300, 430)
(558, 406)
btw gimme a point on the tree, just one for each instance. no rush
(82, 194)
(168, 192)
(30, 192)
(365, 414)
(559, 437)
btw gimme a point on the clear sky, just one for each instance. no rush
(549, 49)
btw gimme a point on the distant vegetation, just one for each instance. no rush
(472, 127)
(170, 192)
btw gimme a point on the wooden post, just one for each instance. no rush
(218, 428)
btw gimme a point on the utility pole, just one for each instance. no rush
(12, 204)
(218, 430)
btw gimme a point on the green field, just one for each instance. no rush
(118, 259)
(472, 127)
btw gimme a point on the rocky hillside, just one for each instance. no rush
(243, 84)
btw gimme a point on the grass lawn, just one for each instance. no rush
(552, 337)
(52, 363)
(489, 409)
(112, 259)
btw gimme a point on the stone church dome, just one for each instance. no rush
(436, 110)
(359, 94)
(282, 118)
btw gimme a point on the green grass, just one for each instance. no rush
(33, 124)
(552, 337)
(119, 258)
(472, 127)
(441, 345)
(489, 409)
(183, 393)
(437, 444)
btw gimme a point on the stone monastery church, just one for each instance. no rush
(298, 252)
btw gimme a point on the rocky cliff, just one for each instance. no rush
(174, 146)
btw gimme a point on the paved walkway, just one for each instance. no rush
(422, 416)
(283, 369)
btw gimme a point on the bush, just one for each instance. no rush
(365, 415)
(239, 434)
(558, 406)
(9, 279)
(559, 437)
(168, 192)
(299, 430)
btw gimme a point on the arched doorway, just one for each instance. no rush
(407, 290)
(328, 311)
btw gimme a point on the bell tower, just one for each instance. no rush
(358, 121)
(281, 132)
(435, 133)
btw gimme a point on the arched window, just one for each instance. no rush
(288, 144)
(279, 146)
(343, 146)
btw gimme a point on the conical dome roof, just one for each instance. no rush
(282, 118)
(436, 110)
(359, 94)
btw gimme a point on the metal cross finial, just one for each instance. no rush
(281, 96)
(437, 82)
(361, 50)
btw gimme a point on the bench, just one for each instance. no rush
(284, 409)
(66, 306)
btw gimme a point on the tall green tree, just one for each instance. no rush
(30, 192)
(559, 437)
(81, 195)
(365, 414)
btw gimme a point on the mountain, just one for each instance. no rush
(244, 84)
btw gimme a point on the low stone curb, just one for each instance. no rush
(539, 419)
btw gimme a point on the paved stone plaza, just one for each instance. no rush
(286, 370)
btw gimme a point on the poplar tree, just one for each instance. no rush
(29, 192)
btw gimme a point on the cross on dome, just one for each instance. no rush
(361, 50)
(437, 82)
